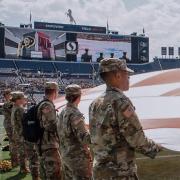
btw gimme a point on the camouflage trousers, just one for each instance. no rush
(50, 161)
(12, 147)
(78, 169)
(81, 178)
(32, 155)
(101, 173)
(68, 175)
(118, 178)
(22, 156)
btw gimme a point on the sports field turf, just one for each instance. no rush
(165, 167)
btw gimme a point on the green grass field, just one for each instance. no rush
(165, 167)
(13, 174)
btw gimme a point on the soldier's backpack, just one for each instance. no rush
(32, 130)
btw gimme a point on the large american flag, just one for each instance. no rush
(156, 96)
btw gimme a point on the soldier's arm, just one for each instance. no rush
(79, 128)
(48, 117)
(19, 117)
(131, 129)
(4, 111)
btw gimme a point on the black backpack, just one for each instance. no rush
(32, 131)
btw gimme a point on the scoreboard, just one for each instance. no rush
(63, 42)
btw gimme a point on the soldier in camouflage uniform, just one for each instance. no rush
(19, 100)
(32, 153)
(7, 107)
(32, 156)
(74, 137)
(116, 132)
(49, 144)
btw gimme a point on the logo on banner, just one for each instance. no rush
(71, 47)
(28, 42)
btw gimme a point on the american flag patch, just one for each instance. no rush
(129, 111)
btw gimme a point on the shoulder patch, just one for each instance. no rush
(46, 109)
(129, 111)
(77, 117)
(77, 121)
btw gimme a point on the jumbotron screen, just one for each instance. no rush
(102, 46)
(24, 43)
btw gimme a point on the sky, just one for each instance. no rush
(159, 18)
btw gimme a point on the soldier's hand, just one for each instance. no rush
(157, 148)
(160, 147)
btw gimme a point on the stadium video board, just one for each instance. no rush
(30, 43)
(24, 43)
(102, 46)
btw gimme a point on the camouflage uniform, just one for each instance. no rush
(16, 120)
(31, 150)
(74, 140)
(33, 158)
(116, 132)
(7, 107)
(49, 144)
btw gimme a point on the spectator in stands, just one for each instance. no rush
(100, 57)
(86, 57)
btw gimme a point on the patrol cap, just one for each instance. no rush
(7, 92)
(18, 95)
(73, 89)
(51, 85)
(113, 64)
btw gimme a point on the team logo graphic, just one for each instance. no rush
(71, 47)
(28, 42)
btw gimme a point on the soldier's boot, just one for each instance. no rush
(14, 156)
(36, 178)
(82, 178)
(14, 164)
(24, 171)
(35, 174)
(14, 161)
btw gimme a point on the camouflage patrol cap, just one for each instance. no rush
(18, 95)
(114, 64)
(51, 85)
(73, 89)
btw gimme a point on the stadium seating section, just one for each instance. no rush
(76, 68)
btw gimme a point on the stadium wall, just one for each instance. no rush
(80, 68)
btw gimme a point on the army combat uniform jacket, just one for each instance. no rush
(16, 120)
(7, 107)
(74, 141)
(49, 145)
(48, 121)
(116, 134)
